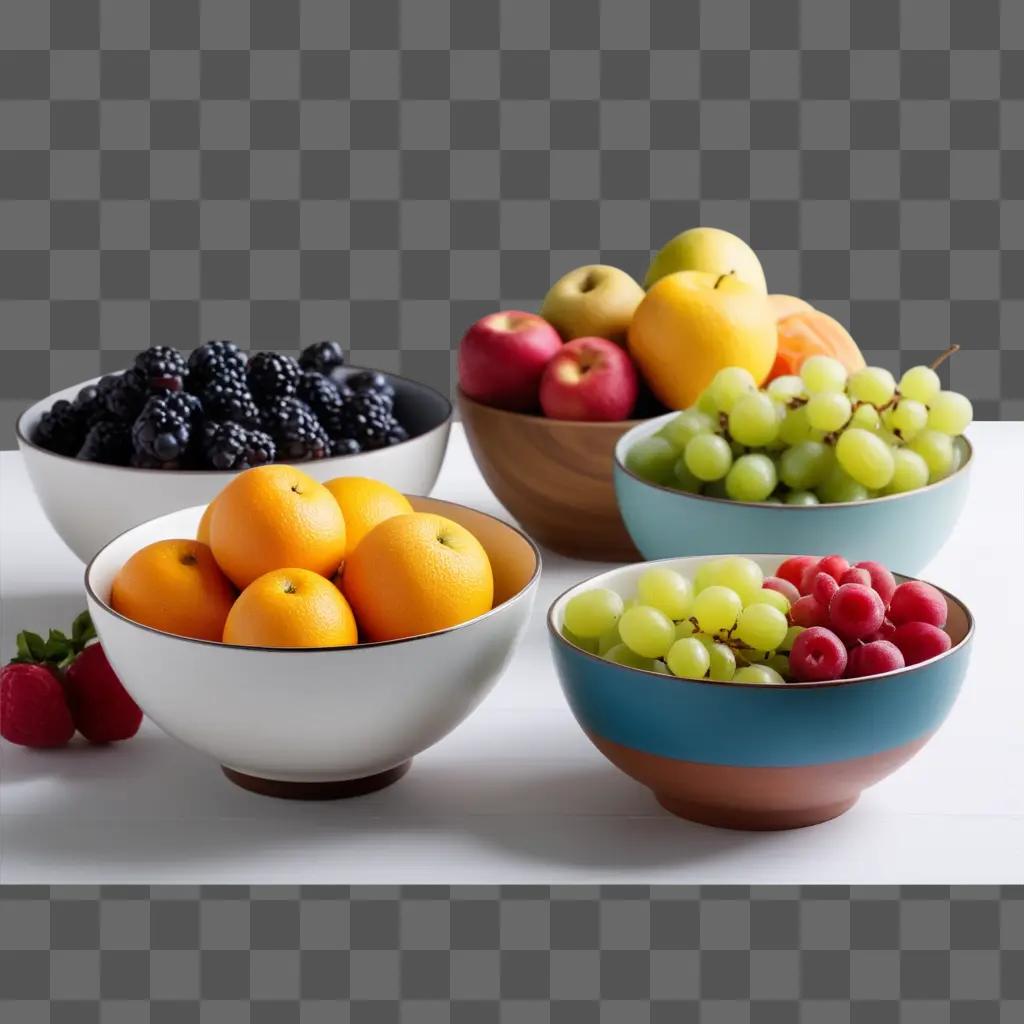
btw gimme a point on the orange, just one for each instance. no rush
(365, 503)
(804, 331)
(174, 586)
(414, 574)
(291, 608)
(203, 530)
(276, 517)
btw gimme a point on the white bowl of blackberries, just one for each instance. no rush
(168, 432)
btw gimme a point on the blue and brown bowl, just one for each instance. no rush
(745, 756)
(902, 530)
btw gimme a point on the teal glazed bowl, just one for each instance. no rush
(904, 531)
(750, 756)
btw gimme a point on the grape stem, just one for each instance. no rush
(951, 351)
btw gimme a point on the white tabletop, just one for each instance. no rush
(517, 794)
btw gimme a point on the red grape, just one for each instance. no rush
(855, 611)
(881, 579)
(915, 601)
(834, 565)
(884, 631)
(817, 655)
(807, 612)
(824, 588)
(919, 641)
(873, 659)
(855, 575)
(792, 569)
(783, 587)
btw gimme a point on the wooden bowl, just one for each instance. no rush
(554, 476)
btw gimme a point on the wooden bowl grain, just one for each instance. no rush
(554, 476)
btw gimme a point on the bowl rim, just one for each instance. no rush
(24, 441)
(520, 594)
(826, 684)
(627, 425)
(620, 464)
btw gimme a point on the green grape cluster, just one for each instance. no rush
(824, 436)
(724, 624)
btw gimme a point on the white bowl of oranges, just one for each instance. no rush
(311, 637)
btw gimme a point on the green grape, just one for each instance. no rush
(828, 410)
(684, 479)
(795, 427)
(910, 472)
(653, 459)
(762, 626)
(773, 500)
(823, 375)
(584, 643)
(785, 387)
(716, 489)
(647, 631)
(907, 417)
(685, 628)
(753, 420)
(790, 638)
(622, 655)
(661, 668)
(757, 674)
(866, 457)
(606, 641)
(708, 456)
(866, 417)
(839, 487)
(706, 404)
(873, 384)
(716, 608)
(728, 384)
(770, 597)
(686, 425)
(666, 590)
(688, 658)
(920, 384)
(802, 498)
(752, 478)
(950, 412)
(722, 662)
(708, 574)
(741, 575)
(805, 464)
(779, 664)
(936, 449)
(593, 612)
(960, 453)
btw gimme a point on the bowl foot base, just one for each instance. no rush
(342, 789)
(750, 820)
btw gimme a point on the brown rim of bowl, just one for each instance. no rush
(530, 583)
(767, 686)
(620, 464)
(24, 439)
(625, 424)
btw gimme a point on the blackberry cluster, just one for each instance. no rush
(219, 410)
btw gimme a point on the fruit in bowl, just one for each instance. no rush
(592, 301)
(589, 379)
(703, 685)
(710, 250)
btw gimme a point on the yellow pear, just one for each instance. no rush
(709, 249)
(592, 302)
(691, 325)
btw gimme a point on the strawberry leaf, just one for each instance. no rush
(31, 646)
(82, 630)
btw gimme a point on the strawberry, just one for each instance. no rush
(103, 710)
(33, 709)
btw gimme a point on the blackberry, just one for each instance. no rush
(162, 367)
(162, 433)
(322, 397)
(396, 433)
(322, 356)
(366, 418)
(91, 401)
(227, 446)
(272, 375)
(371, 380)
(229, 401)
(345, 446)
(297, 433)
(215, 361)
(127, 395)
(108, 441)
(61, 429)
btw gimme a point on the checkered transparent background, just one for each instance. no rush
(516, 955)
(385, 171)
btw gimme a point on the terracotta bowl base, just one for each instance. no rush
(747, 820)
(341, 789)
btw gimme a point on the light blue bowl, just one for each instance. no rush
(903, 531)
(755, 756)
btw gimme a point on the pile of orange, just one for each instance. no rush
(281, 560)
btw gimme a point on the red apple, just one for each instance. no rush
(590, 379)
(502, 357)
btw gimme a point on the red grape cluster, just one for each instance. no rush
(857, 622)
